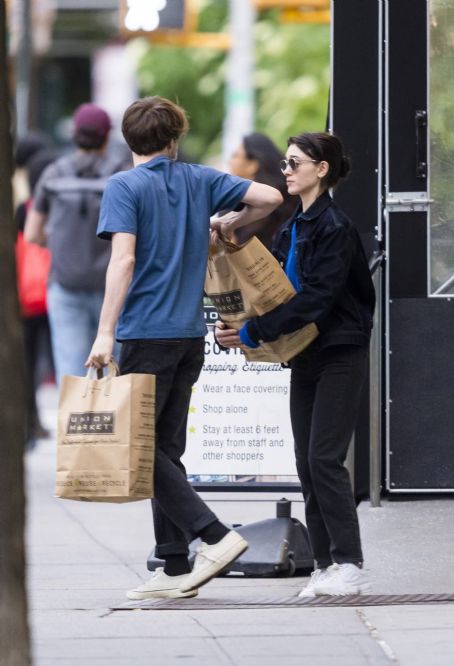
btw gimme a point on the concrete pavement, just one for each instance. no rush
(82, 557)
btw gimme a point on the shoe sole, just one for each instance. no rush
(354, 591)
(161, 594)
(211, 572)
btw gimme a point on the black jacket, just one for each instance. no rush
(337, 292)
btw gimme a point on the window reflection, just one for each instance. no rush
(441, 114)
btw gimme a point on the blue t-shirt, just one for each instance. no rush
(167, 205)
(290, 265)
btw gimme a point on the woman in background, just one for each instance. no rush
(33, 264)
(257, 158)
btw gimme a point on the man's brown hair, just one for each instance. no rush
(150, 124)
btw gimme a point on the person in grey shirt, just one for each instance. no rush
(64, 216)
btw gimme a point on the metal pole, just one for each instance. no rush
(239, 118)
(23, 68)
(375, 397)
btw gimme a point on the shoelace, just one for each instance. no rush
(154, 574)
(201, 550)
(318, 573)
(315, 575)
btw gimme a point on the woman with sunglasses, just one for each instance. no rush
(322, 255)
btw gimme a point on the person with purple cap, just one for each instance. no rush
(64, 217)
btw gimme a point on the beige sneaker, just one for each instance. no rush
(161, 586)
(211, 560)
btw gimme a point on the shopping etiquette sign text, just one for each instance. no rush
(239, 421)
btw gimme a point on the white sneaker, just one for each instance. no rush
(211, 560)
(161, 586)
(317, 576)
(344, 579)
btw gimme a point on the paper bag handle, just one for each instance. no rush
(113, 371)
(227, 244)
(228, 247)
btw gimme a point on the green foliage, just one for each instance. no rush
(441, 142)
(291, 79)
(194, 79)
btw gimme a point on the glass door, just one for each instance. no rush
(441, 138)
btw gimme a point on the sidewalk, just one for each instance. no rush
(82, 558)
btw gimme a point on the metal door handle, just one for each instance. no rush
(421, 143)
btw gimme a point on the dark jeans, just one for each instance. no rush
(324, 402)
(178, 512)
(37, 343)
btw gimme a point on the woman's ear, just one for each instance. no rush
(323, 169)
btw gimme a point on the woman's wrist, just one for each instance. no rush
(246, 337)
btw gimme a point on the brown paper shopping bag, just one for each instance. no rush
(106, 437)
(245, 281)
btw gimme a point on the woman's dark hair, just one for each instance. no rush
(324, 147)
(37, 164)
(152, 123)
(259, 147)
(29, 145)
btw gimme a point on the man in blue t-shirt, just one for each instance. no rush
(158, 218)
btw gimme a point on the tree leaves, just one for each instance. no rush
(291, 79)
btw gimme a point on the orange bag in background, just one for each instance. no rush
(32, 265)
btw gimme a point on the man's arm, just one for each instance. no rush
(118, 278)
(35, 224)
(260, 200)
(34, 230)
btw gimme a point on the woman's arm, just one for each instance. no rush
(226, 337)
(327, 277)
(34, 230)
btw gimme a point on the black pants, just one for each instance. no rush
(178, 512)
(324, 402)
(36, 342)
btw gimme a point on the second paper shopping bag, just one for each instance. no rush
(106, 437)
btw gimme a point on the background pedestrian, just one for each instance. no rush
(257, 158)
(64, 216)
(32, 266)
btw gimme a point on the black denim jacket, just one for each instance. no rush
(337, 292)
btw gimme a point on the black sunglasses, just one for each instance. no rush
(293, 164)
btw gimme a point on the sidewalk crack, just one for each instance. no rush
(375, 635)
(98, 542)
(219, 647)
